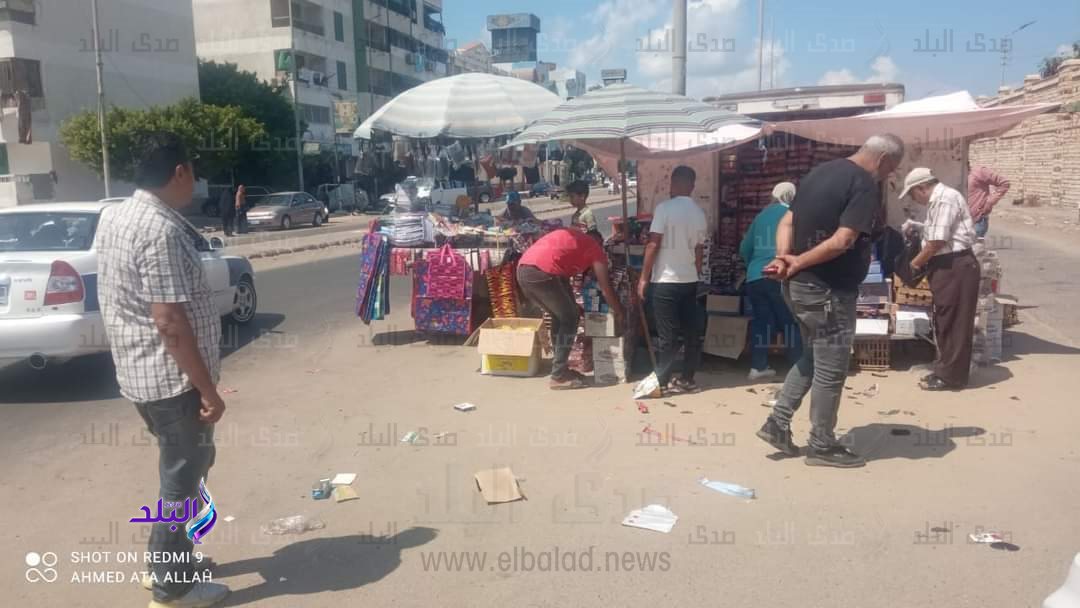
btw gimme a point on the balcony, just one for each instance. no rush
(305, 16)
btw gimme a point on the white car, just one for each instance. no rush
(49, 307)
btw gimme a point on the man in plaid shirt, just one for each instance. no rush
(164, 331)
(954, 275)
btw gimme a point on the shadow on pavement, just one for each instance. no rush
(93, 377)
(323, 564)
(882, 441)
(1016, 343)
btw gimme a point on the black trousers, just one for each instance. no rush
(228, 221)
(954, 281)
(185, 454)
(678, 315)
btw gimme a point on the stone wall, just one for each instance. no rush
(1041, 156)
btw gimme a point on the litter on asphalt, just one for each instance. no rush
(657, 518)
(731, 489)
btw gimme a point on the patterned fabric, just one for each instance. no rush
(584, 219)
(148, 253)
(373, 291)
(949, 220)
(985, 189)
(451, 316)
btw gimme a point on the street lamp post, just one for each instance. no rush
(296, 101)
(102, 116)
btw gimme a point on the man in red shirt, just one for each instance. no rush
(985, 189)
(544, 276)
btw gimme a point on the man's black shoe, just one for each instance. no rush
(772, 434)
(833, 456)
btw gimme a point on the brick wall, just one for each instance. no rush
(1041, 156)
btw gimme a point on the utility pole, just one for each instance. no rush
(761, 44)
(296, 101)
(102, 118)
(772, 53)
(678, 55)
(1006, 49)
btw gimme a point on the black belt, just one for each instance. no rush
(945, 257)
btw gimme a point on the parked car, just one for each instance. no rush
(210, 207)
(48, 283)
(342, 197)
(286, 209)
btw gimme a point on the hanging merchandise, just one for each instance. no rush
(502, 290)
(456, 152)
(447, 273)
(528, 156)
(431, 314)
(373, 291)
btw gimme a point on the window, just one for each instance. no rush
(342, 76)
(315, 115)
(339, 27)
(20, 11)
(21, 75)
(377, 37)
(47, 231)
(279, 13)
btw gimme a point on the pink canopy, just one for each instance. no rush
(933, 122)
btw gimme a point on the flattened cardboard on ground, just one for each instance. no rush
(344, 493)
(498, 485)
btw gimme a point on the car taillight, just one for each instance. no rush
(65, 285)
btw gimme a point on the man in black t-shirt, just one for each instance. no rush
(823, 254)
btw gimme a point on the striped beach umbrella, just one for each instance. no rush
(625, 111)
(462, 106)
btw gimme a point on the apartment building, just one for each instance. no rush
(47, 62)
(471, 58)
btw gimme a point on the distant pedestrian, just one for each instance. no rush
(770, 312)
(240, 207)
(670, 276)
(583, 217)
(954, 275)
(164, 331)
(985, 189)
(823, 253)
(227, 209)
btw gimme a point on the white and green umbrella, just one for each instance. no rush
(468, 106)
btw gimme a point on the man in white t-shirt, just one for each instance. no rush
(672, 269)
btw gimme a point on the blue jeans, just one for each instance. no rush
(771, 314)
(982, 226)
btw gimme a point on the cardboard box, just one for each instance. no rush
(510, 347)
(725, 336)
(723, 305)
(600, 325)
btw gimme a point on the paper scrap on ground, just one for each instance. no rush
(498, 485)
(986, 537)
(731, 489)
(649, 387)
(464, 407)
(343, 493)
(228, 518)
(641, 407)
(343, 479)
(653, 517)
(410, 437)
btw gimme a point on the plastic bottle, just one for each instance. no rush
(731, 489)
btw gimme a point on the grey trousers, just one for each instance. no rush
(827, 321)
(554, 295)
(185, 454)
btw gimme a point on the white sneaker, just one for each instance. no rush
(202, 595)
(756, 374)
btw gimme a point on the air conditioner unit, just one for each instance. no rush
(410, 59)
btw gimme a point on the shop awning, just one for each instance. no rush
(674, 144)
(933, 122)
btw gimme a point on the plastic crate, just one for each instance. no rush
(872, 353)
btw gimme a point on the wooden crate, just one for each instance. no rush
(872, 353)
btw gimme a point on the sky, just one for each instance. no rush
(931, 47)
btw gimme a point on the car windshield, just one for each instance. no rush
(46, 231)
(273, 200)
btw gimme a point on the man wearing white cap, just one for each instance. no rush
(948, 236)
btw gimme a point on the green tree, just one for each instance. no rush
(221, 136)
(1050, 65)
(273, 161)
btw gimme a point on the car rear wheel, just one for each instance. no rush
(286, 223)
(317, 221)
(245, 301)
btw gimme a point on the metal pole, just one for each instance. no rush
(678, 55)
(337, 161)
(772, 53)
(296, 102)
(102, 118)
(761, 44)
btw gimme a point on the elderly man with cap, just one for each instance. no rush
(771, 313)
(948, 236)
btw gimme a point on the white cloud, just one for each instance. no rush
(616, 23)
(883, 69)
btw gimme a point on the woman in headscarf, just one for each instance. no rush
(771, 313)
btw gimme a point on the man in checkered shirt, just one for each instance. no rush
(164, 331)
(954, 275)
